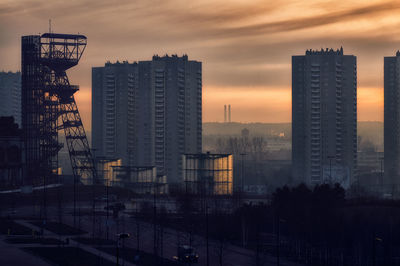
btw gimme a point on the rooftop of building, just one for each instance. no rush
(327, 51)
(156, 57)
(118, 63)
(173, 56)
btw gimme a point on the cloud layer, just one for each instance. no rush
(245, 46)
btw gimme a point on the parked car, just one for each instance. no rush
(187, 254)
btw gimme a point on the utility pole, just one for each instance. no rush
(381, 159)
(278, 238)
(278, 242)
(94, 196)
(154, 221)
(107, 209)
(208, 257)
(74, 201)
(242, 173)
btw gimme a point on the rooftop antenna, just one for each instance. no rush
(49, 25)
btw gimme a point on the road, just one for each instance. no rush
(231, 255)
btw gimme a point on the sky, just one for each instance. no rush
(245, 46)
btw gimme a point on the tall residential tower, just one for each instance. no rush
(324, 117)
(392, 120)
(148, 113)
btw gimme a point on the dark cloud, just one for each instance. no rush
(310, 22)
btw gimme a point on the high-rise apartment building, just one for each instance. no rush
(113, 95)
(392, 120)
(324, 117)
(10, 95)
(148, 113)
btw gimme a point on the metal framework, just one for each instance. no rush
(49, 106)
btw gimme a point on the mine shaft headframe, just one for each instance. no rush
(61, 51)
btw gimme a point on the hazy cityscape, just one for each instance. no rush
(219, 134)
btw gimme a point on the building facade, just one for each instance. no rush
(10, 95)
(392, 120)
(324, 117)
(148, 113)
(113, 95)
(208, 174)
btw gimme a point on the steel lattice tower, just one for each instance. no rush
(48, 105)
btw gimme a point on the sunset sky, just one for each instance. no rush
(245, 46)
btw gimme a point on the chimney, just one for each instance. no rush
(229, 113)
(225, 113)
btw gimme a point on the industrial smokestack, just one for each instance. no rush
(229, 113)
(225, 113)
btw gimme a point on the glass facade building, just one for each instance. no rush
(208, 174)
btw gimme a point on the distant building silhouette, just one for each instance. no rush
(148, 113)
(324, 117)
(10, 95)
(11, 153)
(392, 120)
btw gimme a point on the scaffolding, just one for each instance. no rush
(48, 106)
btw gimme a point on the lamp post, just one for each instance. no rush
(278, 241)
(207, 250)
(381, 159)
(376, 239)
(107, 209)
(122, 237)
(242, 173)
(94, 195)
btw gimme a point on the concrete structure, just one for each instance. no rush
(392, 120)
(10, 95)
(148, 113)
(324, 117)
(208, 174)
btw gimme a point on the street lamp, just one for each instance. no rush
(242, 172)
(94, 195)
(278, 240)
(122, 237)
(376, 239)
(381, 159)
